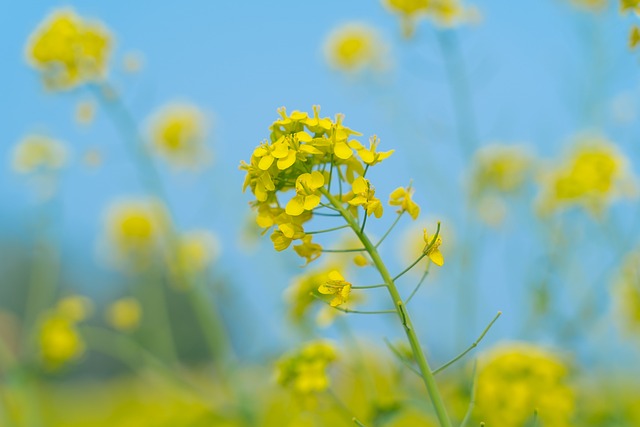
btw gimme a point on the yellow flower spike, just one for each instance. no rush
(124, 314)
(432, 247)
(338, 286)
(402, 197)
(307, 249)
(39, 153)
(634, 37)
(69, 50)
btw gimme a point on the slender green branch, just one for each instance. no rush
(358, 422)
(424, 254)
(472, 399)
(382, 285)
(415, 290)
(389, 230)
(343, 250)
(327, 230)
(364, 221)
(324, 214)
(347, 310)
(324, 205)
(471, 347)
(427, 376)
(402, 359)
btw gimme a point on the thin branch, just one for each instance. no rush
(327, 230)
(472, 399)
(402, 359)
(389, 230)
(382, 285)
(424, 276)
(347, 310)
(471, 347)
(344, 250)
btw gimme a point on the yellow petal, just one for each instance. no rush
(437, 258)
(265, 162)
(287, 161)
(295, 206)
(342, 151)
(335, 275)
(317, 180)
(360, 185)
(311, 202)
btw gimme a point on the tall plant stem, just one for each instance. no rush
(418, 353)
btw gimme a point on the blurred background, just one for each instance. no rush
(529, 81)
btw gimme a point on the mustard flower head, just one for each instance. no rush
(500, 169)
(196, 251)
(316, 157)
(627, 293)
(305, 371)
(39, 153)
(124, 314)
(134, 231)
(432, 247)
(516, 379)
(402, 197)
(337, 286)
(593, 175)
(178, 134)
(354, 47)
(59, 340)
(69, 50)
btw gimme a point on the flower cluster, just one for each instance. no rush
(305, 371)
(310, 156)
(69, 50)
(514, 380)
(354, 47)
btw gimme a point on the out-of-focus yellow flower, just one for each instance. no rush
(85, 112)
(179, 135)
(69, 50)
(629, 6)
(197, 250)
(410, 11)
(338, 286)
(432, 248)
(402, 197)
(135, 230)
(39, 153)
(634, 37)
(353, 47)
(500, 168)
(75, 307)
(60, 341)
(444, 13)
(593, 174)
(590, 5)
(305, 371)
(516, 379)
(308, 250)
(627, 293)
(124, 314)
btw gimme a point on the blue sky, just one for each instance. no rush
(539, 71)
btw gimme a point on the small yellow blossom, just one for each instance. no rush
(69, 50)
(308, 195)
(338, 286)
(305, 371)
(303, 291)
(124, 314)
(629, 5)
(634, 37)
(60, 342)
(179, 135)
(363, 194)
(75, 308)
(196, 251)
(354, 47)
(39, 153)
(370, 156)
(432, 248)
(516, 379)
(307, 249)
(135, 230)
(402, 197)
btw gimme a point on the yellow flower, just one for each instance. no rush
(634, 37)
(354, 47)
(135, 230)
(75, 308)
(363, 194)
(124, 314)
(410, 11)
(307, 249)
(179, 134)
(402, 197)
(69, 50)
(516, 379)
(629, 5)
(196, 251)
(432, 248)
(39, 153)
(370, 156)
(308, 196)
(303, 291)
(627, 293)
(500, 168)
(336, 285)
(60, 341)
(305, 371)
(590, 5)
(592, 175)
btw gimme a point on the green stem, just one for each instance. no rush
(390, 229)
(344, 250)
(382, 285)
(415, 290)
(418, 353)
(326, 230)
